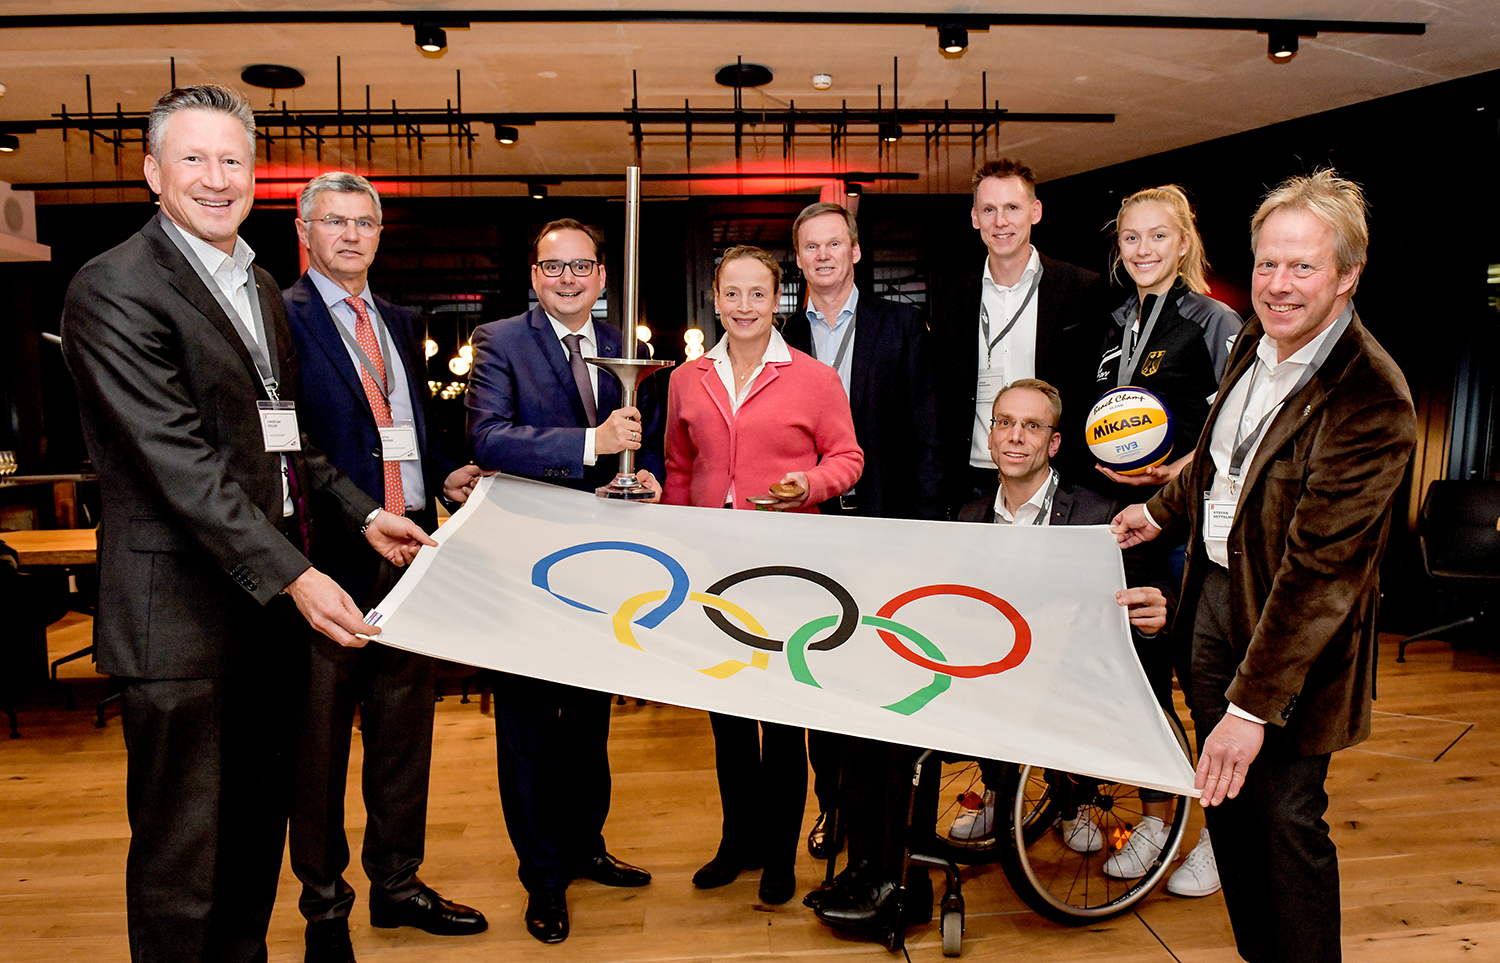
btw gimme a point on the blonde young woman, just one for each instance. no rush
(1172, 339)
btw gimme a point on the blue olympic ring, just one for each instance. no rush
(674, 600)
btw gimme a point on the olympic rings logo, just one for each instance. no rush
(723, 614)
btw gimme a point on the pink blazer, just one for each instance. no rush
(795, 418)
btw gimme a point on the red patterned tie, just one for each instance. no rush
(364, 333)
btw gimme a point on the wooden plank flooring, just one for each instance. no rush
(1416, 815)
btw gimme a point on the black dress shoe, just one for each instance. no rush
(426, 910)
(547, 915)
(328, 942)
(874, 906)
(611, 872)
(777, 886)
(719, 871)
(849, 876)
(821, 842)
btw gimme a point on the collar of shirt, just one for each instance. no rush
(333, 295)
(776, 350)
(561, 330)
(1029, 509)
(1033, 264)
(215, 260)
(819, 319)
(1266, 350)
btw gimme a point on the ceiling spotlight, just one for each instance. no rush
(537, 191)
(953, 38)
(431, 37)
(9, 142)
(273, 76)
(890, 132)
(506, 135)
(852, 189)
(1282, 45)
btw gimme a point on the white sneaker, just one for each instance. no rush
(976, 821)
(1139, 852)
(1199, 873)
(1080, 835)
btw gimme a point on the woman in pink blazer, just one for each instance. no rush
(748, 414)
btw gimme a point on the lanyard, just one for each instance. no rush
(1046, 509)
(384, 384)
(838, 357)
(984, 317)
(257, 348)
(1242, 447)
(1131, 359)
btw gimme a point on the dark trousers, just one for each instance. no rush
(762, 768)
(394, 691)
(825, 751)
(1278, 866)
(207, 790)
(877, 801)
(552, 753)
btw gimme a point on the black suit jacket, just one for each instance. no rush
(191, 549)
(1072, 311)
(1145, 564)
(895, 412)
(335, 413)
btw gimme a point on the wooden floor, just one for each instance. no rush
(1416, 815)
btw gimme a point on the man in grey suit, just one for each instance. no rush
(186, 389)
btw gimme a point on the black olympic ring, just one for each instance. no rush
(848, 622)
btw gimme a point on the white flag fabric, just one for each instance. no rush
(987, 641)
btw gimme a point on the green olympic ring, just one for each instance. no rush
(796, 657)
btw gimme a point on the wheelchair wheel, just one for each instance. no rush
(963, 784)
(1061, 884)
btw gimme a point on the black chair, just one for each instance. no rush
(28, 604)
(1459, 531)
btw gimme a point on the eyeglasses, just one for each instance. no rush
(1030, 427)
(335, 224)
(581, 267)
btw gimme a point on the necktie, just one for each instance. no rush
(581, 377)
(364, 333)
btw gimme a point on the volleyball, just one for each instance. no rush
(1129, 430)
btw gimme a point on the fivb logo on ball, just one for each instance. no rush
(1130, 430)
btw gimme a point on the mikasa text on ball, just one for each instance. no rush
(1129, 430)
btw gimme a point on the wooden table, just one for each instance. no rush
(62, 546)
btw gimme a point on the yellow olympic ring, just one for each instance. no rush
(626, 635)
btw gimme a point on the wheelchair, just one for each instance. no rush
(1057, 882)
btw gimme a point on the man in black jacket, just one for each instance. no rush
(1036, 317)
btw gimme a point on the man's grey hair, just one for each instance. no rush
(340, 182)
(223, 100)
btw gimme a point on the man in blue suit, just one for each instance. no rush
(363, 403)
(537, 410)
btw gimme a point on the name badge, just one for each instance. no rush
(991, 380)
(278, 425)
(1218, 518)
(398, 443)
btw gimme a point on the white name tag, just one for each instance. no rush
(1218, 518)
(278, 425)
(398, 443)
(991, 380)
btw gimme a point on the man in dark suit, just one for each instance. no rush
(1287, 505)
(363, 405)
(1018, 315)
(1027, 490)
(186, 384)
(879, 349)
(535, 409)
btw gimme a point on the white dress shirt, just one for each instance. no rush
(1013, 358)
(776, 350)
(1029, 510)
(589, 348)
(413, 488)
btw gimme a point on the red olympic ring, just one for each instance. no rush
(1017, 654)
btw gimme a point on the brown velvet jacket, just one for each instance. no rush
(1306, 543)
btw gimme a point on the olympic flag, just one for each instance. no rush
(991, 641)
